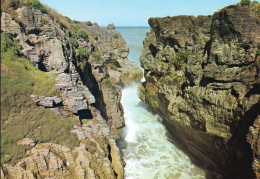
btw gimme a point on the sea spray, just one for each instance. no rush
(148, 153)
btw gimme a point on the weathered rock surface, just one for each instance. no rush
(46, 101)
(202, 77)
(96, 157)
(115, 51)
(26, 141)
(89, 87)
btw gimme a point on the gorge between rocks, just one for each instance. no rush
(148, 151)
(184, 103)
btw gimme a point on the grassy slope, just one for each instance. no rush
(20, 118)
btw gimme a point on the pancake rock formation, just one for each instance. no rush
(202, 77)
(90, 63)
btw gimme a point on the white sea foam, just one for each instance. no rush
(148, 153)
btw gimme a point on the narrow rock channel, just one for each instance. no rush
(148, 153)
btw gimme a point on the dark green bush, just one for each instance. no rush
(37, 5)
(245, 2)
(83, 34)
(89, 23)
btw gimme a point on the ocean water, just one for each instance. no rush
(148, 153)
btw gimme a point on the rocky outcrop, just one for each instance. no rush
(92, 159)
(202, 77)
(90, 63)
(115, 51)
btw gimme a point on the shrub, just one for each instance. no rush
(78, 32)
(37, 5)
(82, 53)
(180, 58)
(89, 23)
(244, 2)
(83, 34)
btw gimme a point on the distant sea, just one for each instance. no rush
(134, 37)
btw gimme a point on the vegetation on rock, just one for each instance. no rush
(20, 117)
(244, 2)
(37, 5)
(180, 58)
(82, 53)
(255, 9)
(96, 55)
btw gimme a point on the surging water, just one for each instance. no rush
(148, 153)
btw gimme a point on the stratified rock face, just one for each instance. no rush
(202, 77)
(96, 157)
(115, 51)
(88, 77)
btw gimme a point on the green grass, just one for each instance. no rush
(20, 117)
(97, 55)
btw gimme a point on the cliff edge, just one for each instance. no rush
(202, 77)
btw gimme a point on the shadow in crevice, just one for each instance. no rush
(90, 81)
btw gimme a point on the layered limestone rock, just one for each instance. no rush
(115, 51)
(89, 68)
(92, 159)
(202, 77)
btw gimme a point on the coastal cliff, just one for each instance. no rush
(60, 86)
(202, 78)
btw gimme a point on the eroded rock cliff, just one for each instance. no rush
(202, 77)
(89, 64)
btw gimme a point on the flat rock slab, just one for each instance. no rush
(46, 101)
(26, 141)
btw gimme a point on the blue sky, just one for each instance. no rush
(133, 12)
